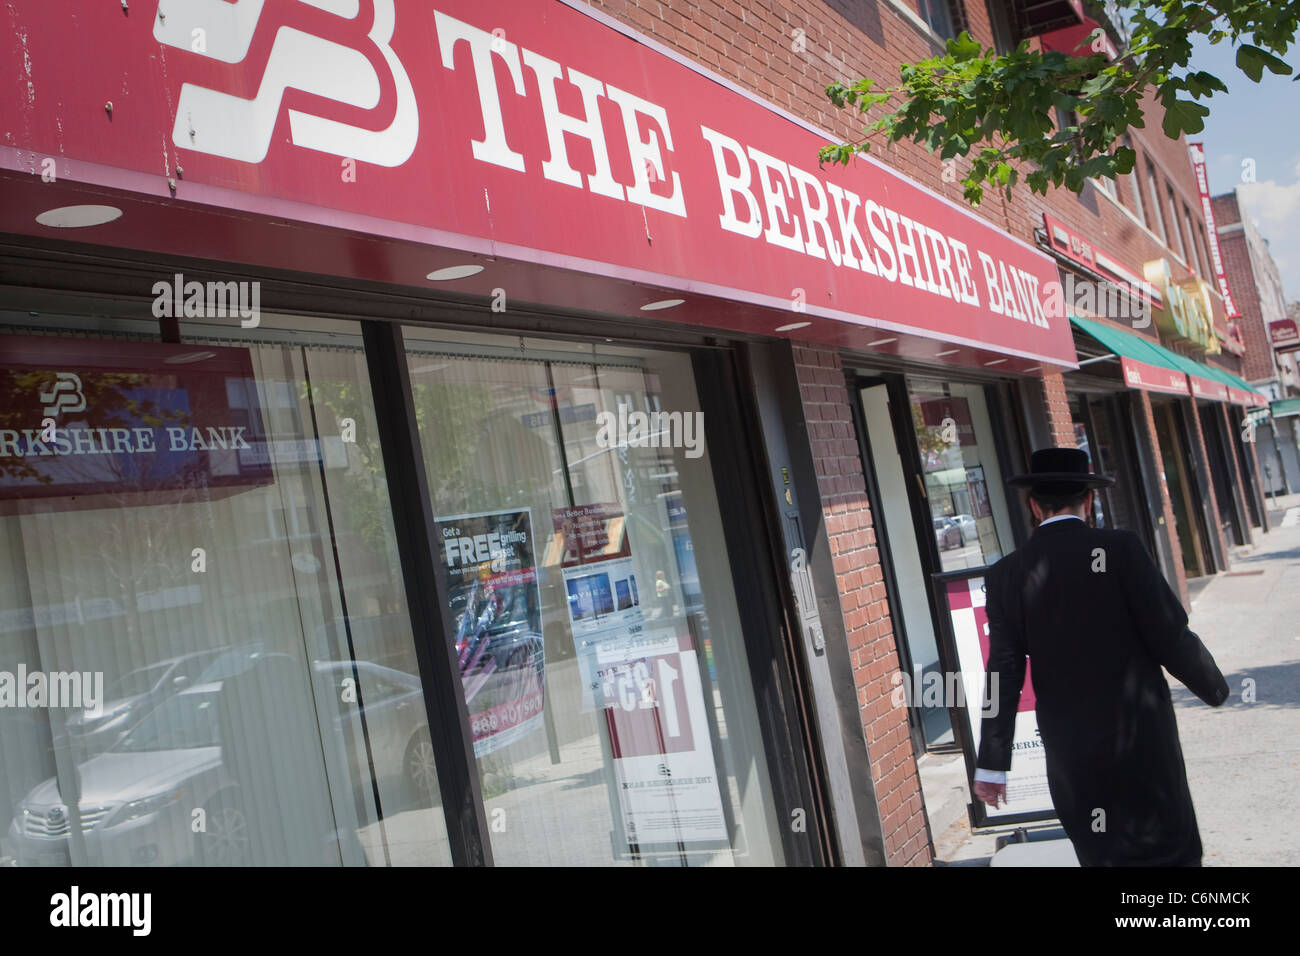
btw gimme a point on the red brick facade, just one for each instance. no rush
(863, 604)
(1235, 249)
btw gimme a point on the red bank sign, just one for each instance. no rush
(539, 132)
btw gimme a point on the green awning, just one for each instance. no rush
(1245, 386)
(1139, 348)
(1145, 365)
(1124, 344)
(1284, 407)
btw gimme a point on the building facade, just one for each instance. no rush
(1268, 330)
(464, 434)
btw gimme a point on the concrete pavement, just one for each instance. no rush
(1243, 759)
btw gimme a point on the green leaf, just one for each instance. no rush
(964, 47)
(1251, 60)
(1184, 116)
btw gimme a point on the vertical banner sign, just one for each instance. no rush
(644, 677)
(1027, 791)
(1211, 233)
(496, 619)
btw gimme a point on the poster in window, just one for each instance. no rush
(643, 677)
(495, 611)
(979, 492)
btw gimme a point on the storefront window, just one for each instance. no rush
(963, 483)
(199, 564)
(591, 604)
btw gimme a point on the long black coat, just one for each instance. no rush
(1097, 639)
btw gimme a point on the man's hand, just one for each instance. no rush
(990, 793)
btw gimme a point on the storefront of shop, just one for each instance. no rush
(1153, 407)
(411, 457)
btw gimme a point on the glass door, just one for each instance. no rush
(940, 506)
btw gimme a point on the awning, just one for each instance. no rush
(1149, 365)
(1205, 380)
(1145, 365)
(1285, 407)
(1240, 391)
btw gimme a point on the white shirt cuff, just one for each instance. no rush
(990, 776)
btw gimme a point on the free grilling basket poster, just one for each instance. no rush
(496, 616)
(1027, 791)
(645, 678)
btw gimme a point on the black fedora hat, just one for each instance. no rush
(1063, 469)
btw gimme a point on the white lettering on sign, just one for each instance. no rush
(32, 443)
(762, 196)
(223, 124)
(646, 153)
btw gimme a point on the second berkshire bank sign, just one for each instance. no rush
(535, 131)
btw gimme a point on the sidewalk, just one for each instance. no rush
(1243, 759)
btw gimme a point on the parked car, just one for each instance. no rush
(966, 525)
(947, 534)
(138, 797)
(133, 695)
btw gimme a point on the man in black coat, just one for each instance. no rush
(1093, 613)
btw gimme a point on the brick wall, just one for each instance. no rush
(1058, 410)
(867, 623)
(1257, 363)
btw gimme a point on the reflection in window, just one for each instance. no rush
(962, 483)
(196, 533)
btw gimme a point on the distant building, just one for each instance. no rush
(1271, 332)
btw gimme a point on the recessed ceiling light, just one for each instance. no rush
(1032, 368)
(792, 326)
(454, 272)
(882, 341)
(995, 362)
(949, 352)
(187, 357)
(662, 304)
(77, 217)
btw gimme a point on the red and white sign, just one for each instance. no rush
(1077, 248)
(1154, 378)
(1208, 388)
(1284, 334)
(1027, 790)
(1212, 234)
(540, 133)
(643, 675)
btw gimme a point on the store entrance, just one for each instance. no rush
(939, 505)
(1230, 511)
(1183, 490)
(1098, 430)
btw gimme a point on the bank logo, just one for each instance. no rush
(222, 124)
(65, 396)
